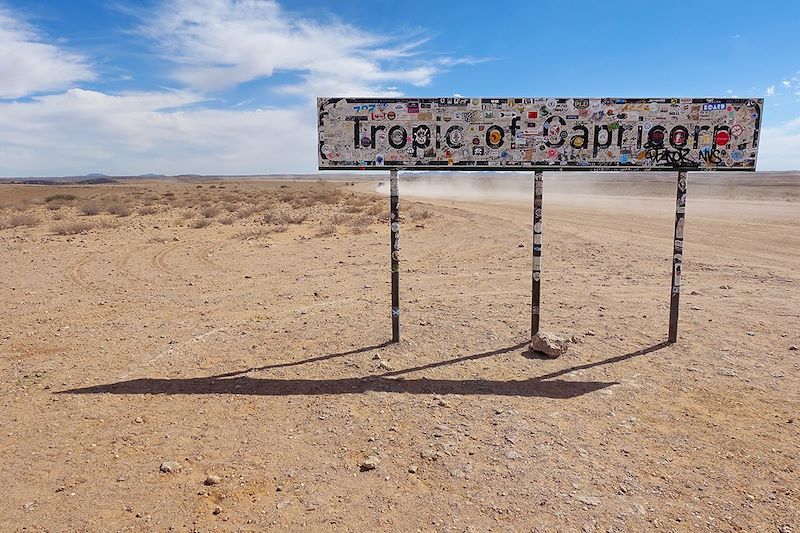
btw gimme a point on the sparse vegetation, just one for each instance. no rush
(209, 211)
(361, 224)
(148, 210)
(119, 209)
(201, 223)
(72, 228)
(63, 197)
(326, 230)
(20, 219)
(91, 208)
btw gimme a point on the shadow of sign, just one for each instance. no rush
(238, 383)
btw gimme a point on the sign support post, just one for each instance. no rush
(394, 225)
(677, 255)
(537, 252)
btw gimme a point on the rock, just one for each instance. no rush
(729, 372)
(211, 479)
(588, 500)
(412, 469)
(429, 454)
(550, 344)
(170, 467)
(217, 509)
(383, 365)
(370, 463)
(138, 420)
(511, 454)
(695, 293)
(590, 333)
(793, 348)
(785, 528)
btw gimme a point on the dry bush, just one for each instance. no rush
(384, 217)
(107, 223)
(352, 208)
(247, 211)
(227, 220)
(419, 214)
(58, 215)
(376, 209)
(209, 211)
(338, 219)
(326, 230)
(72, 228)
(291, 218)
(20, 219)
(201, 223)
(62, 197)
(229, 207)
(361, 224)
(118, 209)
(148, 210)
(55, 205)
(91, 207)
(358, 199)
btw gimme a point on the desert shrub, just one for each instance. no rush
(361, 224)
(148, 210)
(118, 209)
(247, 211)
(209, 211)
(91, 207)
(55, 205)
(227, 220)
(338, 219)
(20, 219)
(72, 228)
(61, 197)
(352, 208)
(201, 223)
(326, 230)
(58, 215)
(291, 218)
(419, 214)
(376, 209)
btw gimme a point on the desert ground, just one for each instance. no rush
(235, 334)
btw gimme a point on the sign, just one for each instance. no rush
(539, 133)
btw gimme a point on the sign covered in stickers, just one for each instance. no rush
(539, 133)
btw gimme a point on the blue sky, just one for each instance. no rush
(227, 86)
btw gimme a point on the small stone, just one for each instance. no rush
(785, 528)
(170, 467)
(550, 344)
(138, 420)
(511, 454)
(211, 479)
(588, 500)
(590, 333)
(383, 365)
(694, 293)
(729, 372)
(370, 463)
(429, 454)
(217, 510)
(412, 469)
(793, 348)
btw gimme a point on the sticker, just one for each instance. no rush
(395, 227)
(537, 239)
(395, 312)
(537, 276)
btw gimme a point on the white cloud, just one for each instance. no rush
(82, 131)
(779, 148)
(771, 90)
(28, 65)
(218, 44)
(786, 83)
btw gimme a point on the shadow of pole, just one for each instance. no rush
(543, 386)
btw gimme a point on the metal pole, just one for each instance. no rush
(677, 256)
(394, 221)
(537, 252)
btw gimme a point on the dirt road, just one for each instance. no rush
(257, 351)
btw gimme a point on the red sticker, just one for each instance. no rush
(723, 138)
(533, 114)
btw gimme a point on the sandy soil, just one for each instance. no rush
(255, 349)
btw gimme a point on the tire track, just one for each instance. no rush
(159, 260)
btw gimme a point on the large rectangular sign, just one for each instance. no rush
(539, 133)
